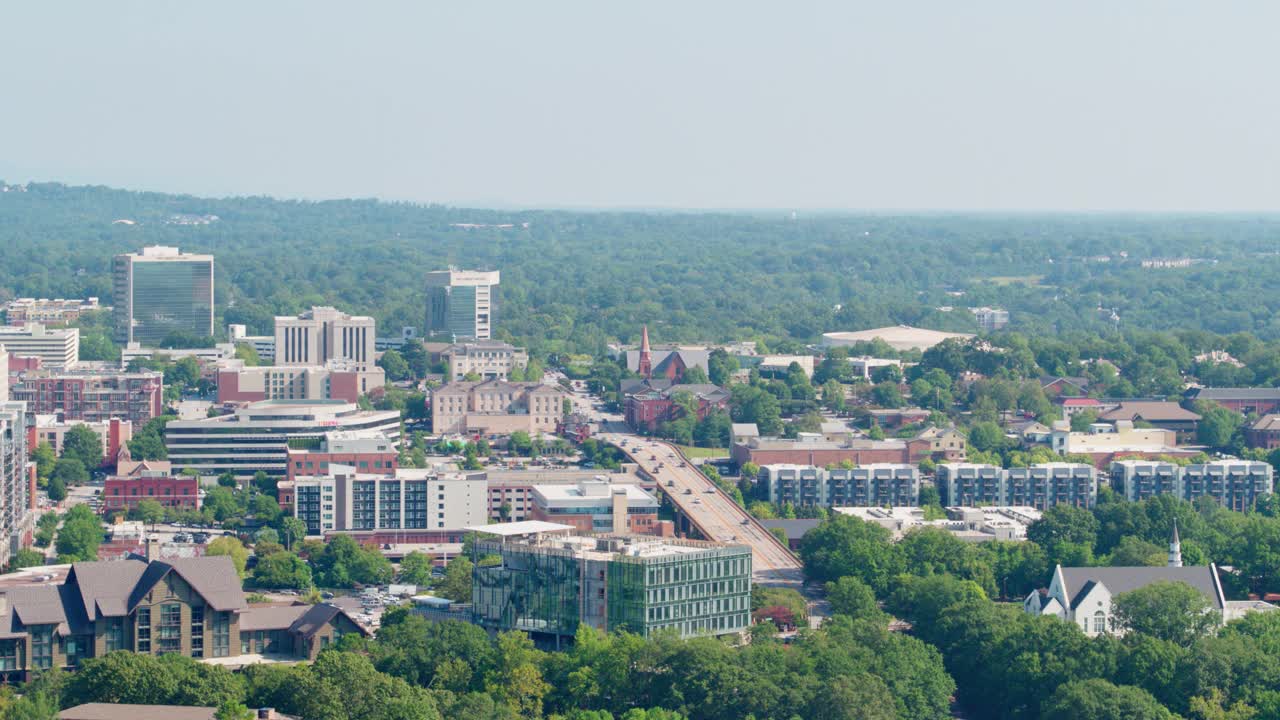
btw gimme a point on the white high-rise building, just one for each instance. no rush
(322, 334)
(461, 304)
(57, 348)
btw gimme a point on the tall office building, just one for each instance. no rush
(159, 291)
(461, 304)
(322, 334)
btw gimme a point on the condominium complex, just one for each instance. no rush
(17, 489)
(461, 304)
(192, 607)
(113, 433)
(159, 291)
(257, 436)
(407, 499)
(1237, 484)
(597, 505)
(93, 396)
(485, 360)
(884, 484)
(57, 348)
(990, 319)
(47, 312)
(550, 581)
(322, 334)
(365, 451)
(495, 407)
(1038, 486)
(335, 380)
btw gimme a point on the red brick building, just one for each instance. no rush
(1264, 432)
(136, 481)
(366, 452)
(649, 403)
(821, 453)
(1247, 401)
(93, 396)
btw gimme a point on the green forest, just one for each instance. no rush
(573, 281)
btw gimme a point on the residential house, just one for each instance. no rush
(943, 443)
(1056, 387)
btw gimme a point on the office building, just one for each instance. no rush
(367, 452)
(190, 606)
(511, 491)
(257, 436)
(597, 505)
(138, 480)
(57, 348)
(462, 304)
(263, 345)
(323, 334)
(495, 407)
(47, 312)
(335, 380)
(815, 449)
(17, 486)
(550, 581)
(884, 484)
(114, 434)
(990, 319)
(408, 499)
(93, 396)
(159, 291)
(485, 360)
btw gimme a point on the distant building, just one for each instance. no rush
(263, 345)
(969, 485)
(990, 319)
(1038, 486)
(865, 366)
(549, 582)
(495, 407)
(898, 337)
(780, 365)
(1073, 405)
(597, 505)
(136, 481)
(814, 449)
(795, 529)
(257, 436)
(665, 362)
(1160, 414)
(93, 396)
(890, 485)
(486, 360)
(1237, 484)
(971, 524)
(1247, 401)
(22, 311)
(514, 489)
(367, 452)
(1264, 432)
(462, 304)
(1106, 443)
(405, 499)
(650, 403)
(1062, 387)
(159, 291)
(114, 434)
(17, 485)
(891, 418)
(324, 334)
(335, 380)
(57, 348)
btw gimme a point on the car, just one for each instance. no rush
(696, 501)
(180, 537)
(710, 491)
(688, 491)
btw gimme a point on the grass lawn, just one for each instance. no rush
(694, 453)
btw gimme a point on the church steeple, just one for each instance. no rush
(645, 369)
(1175, 547)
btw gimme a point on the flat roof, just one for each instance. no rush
(567, 492)
(899, 337)
(524, 527)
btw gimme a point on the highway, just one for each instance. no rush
(709, 509)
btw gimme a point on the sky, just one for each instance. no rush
(1085, 105)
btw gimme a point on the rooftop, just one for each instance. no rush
(524, 527)
(898, 337)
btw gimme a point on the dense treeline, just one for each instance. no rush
(573, 281)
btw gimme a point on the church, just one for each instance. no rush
(1083, 595)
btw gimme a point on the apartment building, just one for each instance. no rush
(322, 334)
(1237, 484)
(409, 499)
(190, 606)
(92, 396)
(1038, 486)
(495, 407)
(597, 505)
(990, 319)
(114, 434)
(58, 311)
(486, 360)
(885, 484)
(257, 436)
(159, 291)
(462, 304)
(550, 581)
(335, 380)
(970, 485)
(17, 485)
(57, 348)
(367, 452)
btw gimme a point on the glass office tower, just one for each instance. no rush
(160, 291)
(461, 304)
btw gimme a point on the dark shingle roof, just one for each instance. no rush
(1078, 580)
(274, 617)
(317, 617)
(1151, 411)
(105, 586)
(213, 577)
(1238, 394)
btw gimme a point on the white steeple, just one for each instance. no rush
(1175, 547)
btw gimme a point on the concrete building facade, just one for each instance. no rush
(597, 505)
(160, 291)
(336, 380)
(1038, 486)
(409, 499)
(324, 334)
(58, 311)
(113, 433)
(486, 360)
(462, 304)
(495, 407)
(883, 484)
(57, 348)
(367, 452)
(92, 396)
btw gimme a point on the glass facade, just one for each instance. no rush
(164, 296)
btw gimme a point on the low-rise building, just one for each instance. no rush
(780, 365)
(58, 311)
(865, 365)
(1156, 413)
(1264, 432)
(135, 481)
(1038, 486)
(814, 449)
(549, 582)
(897, 417)
(511, 491)
(114, 434)
(969, 485)
(257, 436)
(263, 345)
(597, 505)
(1246, 401)
(495, 407)
(489, 360)
(898, 337)
(1106, 443)
(407, 499)
(92, 396)
(971, 524)
(891, 485)
(334, 380)
(367, 452)
(57, 348)
(650, 403)
(1237, 484)
(990, 319)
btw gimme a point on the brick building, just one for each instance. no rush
(650, 403)
(114, 434)
(1247, 401)
(138, 480)
(335, 380)
(93, 396)
(1264, 432)
(366, 452)
(815, 450)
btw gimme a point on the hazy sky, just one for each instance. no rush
(1104, 105)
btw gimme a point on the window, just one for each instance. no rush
(143, 619)
(42, 646)
(221, 634)
(169, 632)
(9, 655)
(115, 634)
(197, 631)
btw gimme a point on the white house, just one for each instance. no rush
(1083, 595)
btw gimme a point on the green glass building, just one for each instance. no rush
(461, 304)
(160, 291)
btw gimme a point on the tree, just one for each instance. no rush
(57, 489)
(456, 584)
(833, 397)
(887, 395)
(80, 535)
(81, 443)
(1168, 610)
(415, 568)
(248, 354)
(1097, 699)
(1218, 425)
(850, 596)
(45, 459)
(149, 511)
(695, 376)
(282, 570)
(294, 529)
(233, 711)
(1134, 551)
(986, 436)
(846, 546)
(25, 558)
(721, 365)
(232, 548)
(70, 471)
(394, 364)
